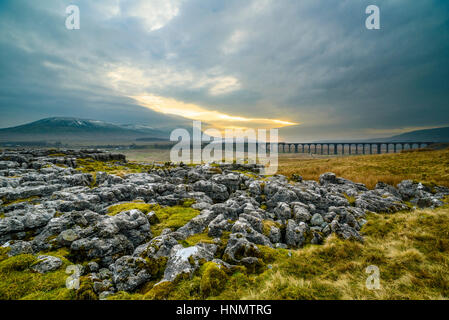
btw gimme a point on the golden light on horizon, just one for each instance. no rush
(195, 112)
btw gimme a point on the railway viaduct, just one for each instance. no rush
(349, 147)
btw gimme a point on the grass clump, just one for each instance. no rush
(350, 199)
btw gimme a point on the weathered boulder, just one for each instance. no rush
(47, 264)
(217, 192)
(187, 260)
(128, 273)
(295, 233)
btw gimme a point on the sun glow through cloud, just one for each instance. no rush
(195, 112)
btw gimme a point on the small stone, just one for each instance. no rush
(93, 266)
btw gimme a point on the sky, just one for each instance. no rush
(309, 67)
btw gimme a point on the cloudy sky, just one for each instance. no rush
(308, 66)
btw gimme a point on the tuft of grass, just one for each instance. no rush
(350, 199)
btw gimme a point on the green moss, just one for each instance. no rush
(56, 294)
(4, 253)
(123, 295)
(144, 207)
(249, 174)
(169, 217)
(18, 281)
(267, 224)
(88, 165)
(172, 217)
(188, 202)
(446, 200)
(160, 291)
(213, 280)
(57, 155)
(30, 199)
(17, 263)
(156, 266)
(86, 290)
(197, 238)
(216, 170)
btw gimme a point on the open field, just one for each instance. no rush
(425, 166)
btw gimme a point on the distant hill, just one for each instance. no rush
(437, 135)
(427, 135)
(75, 129)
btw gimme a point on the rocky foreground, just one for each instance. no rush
(47, 202)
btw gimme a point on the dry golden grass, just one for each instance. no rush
(425, 166)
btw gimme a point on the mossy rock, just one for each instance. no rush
(160, 291)
(213, 280)
(86, 290)
(267, 224)
(18, 281)
(156, 267)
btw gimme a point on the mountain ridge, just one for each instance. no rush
(70, 128)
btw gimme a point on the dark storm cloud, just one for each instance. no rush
(311, 61)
